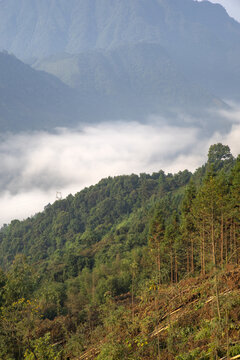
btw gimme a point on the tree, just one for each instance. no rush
(20, 282)
(3, 280)
(172, 235)
(156, 236)
(188, 228)
(41, 349)
(235, 205)
(206, 214)
(219, 156)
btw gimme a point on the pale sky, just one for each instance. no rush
(232, 7)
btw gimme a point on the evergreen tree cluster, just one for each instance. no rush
(97, 273)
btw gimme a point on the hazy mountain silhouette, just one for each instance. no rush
(131, 81)
(31, 99)
(127, 58)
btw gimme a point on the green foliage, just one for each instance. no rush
(20, 281)
(112, 351)
(42, 349)
(91, 270)
(192, 355)
(17, 323)
(204, 331)
(235, 350)
(219, 156)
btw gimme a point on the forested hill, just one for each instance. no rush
(114, 207)
(134, 267)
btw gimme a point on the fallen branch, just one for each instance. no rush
(180, 311)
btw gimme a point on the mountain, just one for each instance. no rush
(121, 60)
(132, 81)
(200, 36)
(73, 26)
(31, 99)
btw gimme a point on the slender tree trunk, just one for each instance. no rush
(204, 271)
(159, 266)
(214, 264)
(159, 356)
(231, 238)
(192, 258)
(133, 283)
(213, 241)
(171, 267)
(176, 268)
(90, 322)
(157, 322)
(132, 297)
(222, 239)
(226, 250)
(217, 297)
(235, 242)
(93, 286)
(227, 325)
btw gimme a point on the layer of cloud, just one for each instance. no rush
(34, 166)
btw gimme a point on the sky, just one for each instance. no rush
(232, 7)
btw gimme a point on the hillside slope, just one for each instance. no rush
(132, 81)
(135, 267)
(81, 221)
(31, 100)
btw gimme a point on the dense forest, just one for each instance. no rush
(135, 267)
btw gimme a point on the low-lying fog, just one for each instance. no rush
(34, 166)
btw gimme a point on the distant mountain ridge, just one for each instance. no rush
(132, 82)
(129, 81)
(32, 100)
(123, 59)
(200, 37)
(73, 26)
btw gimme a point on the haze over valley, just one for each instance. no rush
(102, 88)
